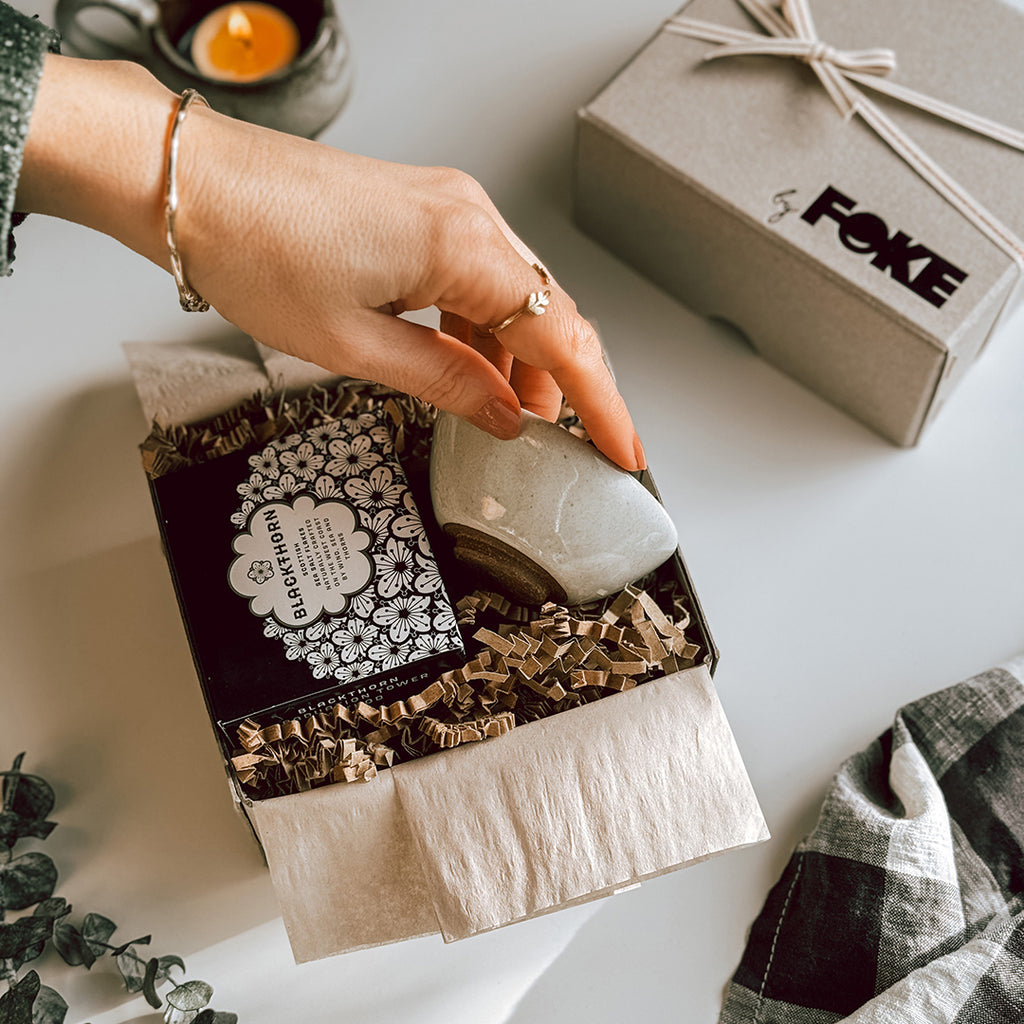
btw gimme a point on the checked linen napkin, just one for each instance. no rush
(905, 905)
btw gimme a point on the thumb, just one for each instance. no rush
(436, 367)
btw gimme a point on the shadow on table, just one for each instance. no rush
(101, 692)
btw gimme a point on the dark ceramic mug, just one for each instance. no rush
(302, 98)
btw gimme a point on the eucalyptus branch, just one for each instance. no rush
(27, 883)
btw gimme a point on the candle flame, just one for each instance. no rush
(239, 26)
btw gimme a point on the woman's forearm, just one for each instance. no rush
(311, 250)
(95, 150)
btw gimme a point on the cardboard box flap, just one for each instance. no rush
(475, 838)
(182, 382)
(577, 805)
(344, 867)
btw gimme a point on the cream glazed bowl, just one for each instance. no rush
(545, 515)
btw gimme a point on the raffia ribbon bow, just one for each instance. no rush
(823, 58)
(791, 33)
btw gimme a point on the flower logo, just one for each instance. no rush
(241, 517)
(265, 463)
(376, 491)
(355, 672)
(298, 646)
(351, 457)
(390, 654)
(404, 616)
(322, 434)
(304, 463)
(355, 640)
(287, 489)
(323, 660)
(259, 572)
(429, 579)
(396, 569)
(252, 488)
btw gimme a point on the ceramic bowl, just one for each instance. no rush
(545, 515)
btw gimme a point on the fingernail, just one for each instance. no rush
(638, 451)
(499, 418)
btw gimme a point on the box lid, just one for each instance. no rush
(745, 129)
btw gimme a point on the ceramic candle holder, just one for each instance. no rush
(302, 98)
(545, 515)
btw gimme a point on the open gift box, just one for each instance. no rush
(867, 251)
(557, 811)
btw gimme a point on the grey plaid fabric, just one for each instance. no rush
(905, 905)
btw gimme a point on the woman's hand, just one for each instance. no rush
(313, 251)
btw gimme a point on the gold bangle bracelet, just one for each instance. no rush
(191, 300)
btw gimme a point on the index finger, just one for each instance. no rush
(489, 283)
(567, 347)
(493, 282)
(536, 389)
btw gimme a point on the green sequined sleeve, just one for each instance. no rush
(23, 44)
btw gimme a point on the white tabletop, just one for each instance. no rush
(841, 576)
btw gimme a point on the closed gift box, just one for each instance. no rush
(738, 185)
(560, 810)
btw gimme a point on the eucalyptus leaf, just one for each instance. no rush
(144, 941)
(169, 961)
(190, 995)
(149, 983)
(26, 880)
(49, 1007)
(132, 969)
(16, 1002)
(14, 827)
(96, 930)
(46, 914)
(27, 795)
(54, 907)
(24, 940)
(27, 954)
(20, 934)
(72, 947)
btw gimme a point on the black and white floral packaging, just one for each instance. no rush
(305, 575)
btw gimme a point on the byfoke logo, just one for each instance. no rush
(911, 264)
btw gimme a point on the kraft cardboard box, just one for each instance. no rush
(737, 185)
(559, 811)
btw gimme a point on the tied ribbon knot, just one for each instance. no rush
(844, 74)
(811, 50)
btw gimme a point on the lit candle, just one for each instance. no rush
(244, 42)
